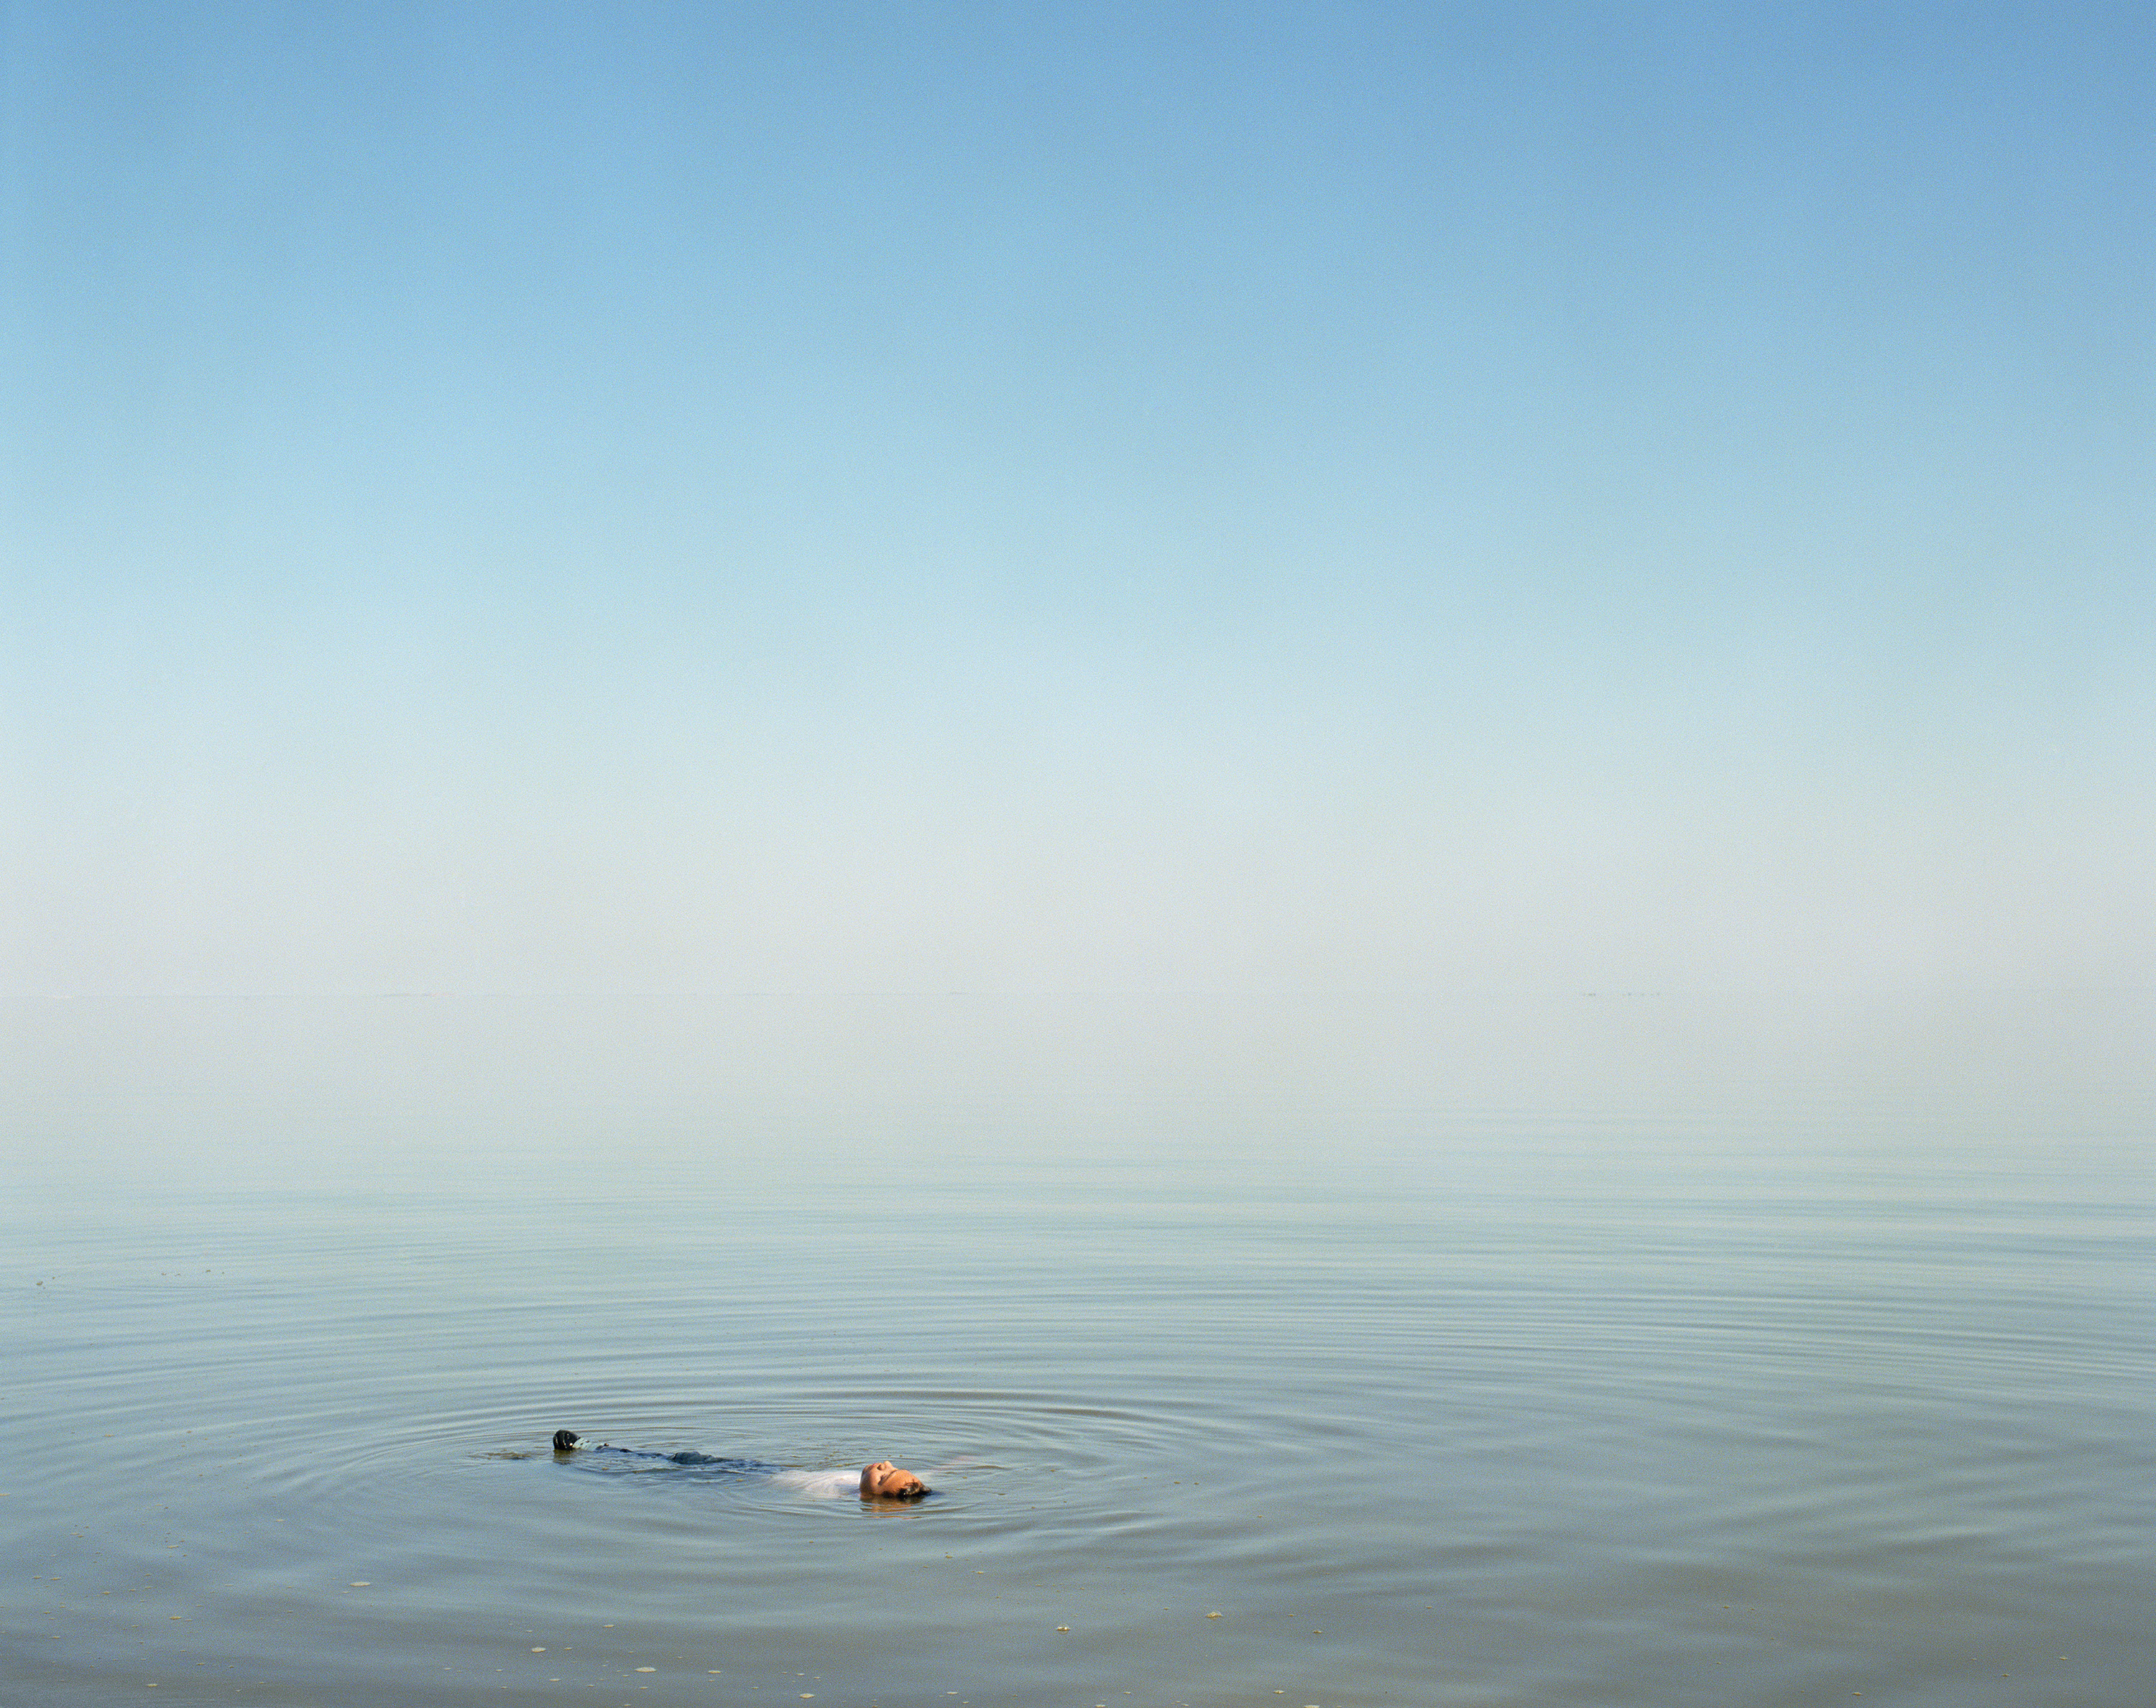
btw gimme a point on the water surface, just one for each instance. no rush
(1388, 1355)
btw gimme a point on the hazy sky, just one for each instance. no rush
(681, 497)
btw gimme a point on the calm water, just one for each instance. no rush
(1564, 1353)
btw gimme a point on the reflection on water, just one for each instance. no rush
(1244, 1373)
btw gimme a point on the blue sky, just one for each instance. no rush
(679, 498)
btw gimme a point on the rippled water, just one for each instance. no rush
(1329, 1378)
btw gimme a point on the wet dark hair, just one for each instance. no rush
(564, 1440)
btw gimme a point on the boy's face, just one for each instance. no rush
(886, 1479)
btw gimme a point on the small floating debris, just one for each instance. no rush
(1212, 1616)
(647, 1668)
(364, 1583)
(1063, 1628)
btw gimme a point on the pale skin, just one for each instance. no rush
(886, 1481)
